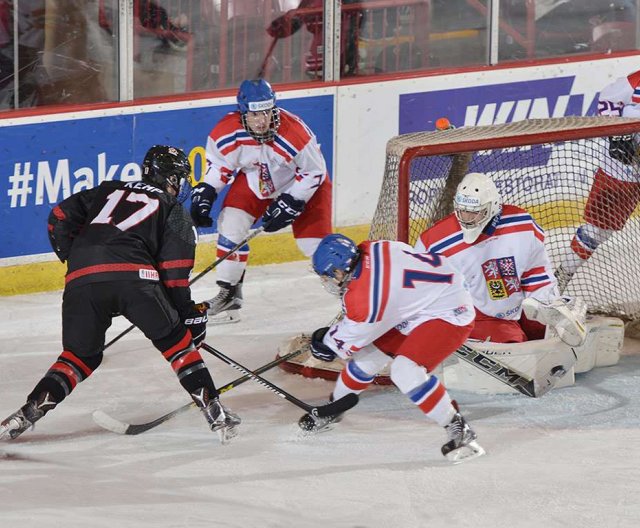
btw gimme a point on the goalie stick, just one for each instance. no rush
(116, 426)
(198, 276)
(533, 387)
(330, 409)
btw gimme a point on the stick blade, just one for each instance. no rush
(336, 407)
(110, 424)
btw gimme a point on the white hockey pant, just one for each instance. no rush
(233, 227)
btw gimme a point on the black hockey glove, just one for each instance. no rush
(284, 26)
(282, 212)
(318, 349)
(196, 322)
(202, 198)
(622, 148)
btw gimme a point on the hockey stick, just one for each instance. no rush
(263, 67)
(116, 426)
(509, 376)
(330, 409)
(199, 276)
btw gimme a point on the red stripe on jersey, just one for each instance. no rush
(518, 229)
(356, 300)
(534, 287)
(106, 268)
(228, 125)
(181, 345)
(72, 358)
(455, 249)
(282, 152)
(386, 279)
(533, 271)
(434, 398)
(441, 230)
(49, 227)
(171, 264)
(293, 130)
(177, 283)
(238, 143)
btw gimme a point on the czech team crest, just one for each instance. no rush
(502, 277)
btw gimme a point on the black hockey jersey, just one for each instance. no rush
(125, 231)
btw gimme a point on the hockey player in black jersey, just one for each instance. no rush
(129, 248)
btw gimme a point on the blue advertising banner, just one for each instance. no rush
(494, 103)
(43, 163)
(487, 105)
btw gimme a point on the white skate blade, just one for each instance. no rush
(226, 317)
(225, 434)
(465, 453)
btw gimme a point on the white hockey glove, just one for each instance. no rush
(565, 316)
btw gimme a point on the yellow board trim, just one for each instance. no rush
(265, 249)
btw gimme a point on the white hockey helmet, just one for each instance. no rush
(476, 202)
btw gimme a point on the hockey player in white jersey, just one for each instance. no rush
(276, 172)
(500, 251)
(615, 191)
(398, 304)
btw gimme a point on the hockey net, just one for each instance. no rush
(545, 166)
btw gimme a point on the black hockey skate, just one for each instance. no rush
(462, 445)
(229, 300)
(311, 424)
(220, 419)
(24, 418)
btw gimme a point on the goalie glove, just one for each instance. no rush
(318, 349)
(282, 212)
(565, 316)
(202, 198)
(622, 148)
(196, 322)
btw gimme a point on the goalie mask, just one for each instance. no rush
(476, 202)
(168, 168)
(335, 260)
(259, 113)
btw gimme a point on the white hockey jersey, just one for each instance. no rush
(507, 263)
(621, 97)
(394, 286)
(291, 163)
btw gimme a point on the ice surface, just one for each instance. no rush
(569, 458)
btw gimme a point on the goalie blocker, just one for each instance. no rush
(532, 360)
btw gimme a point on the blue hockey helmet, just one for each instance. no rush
(258, 110)
(335, 253)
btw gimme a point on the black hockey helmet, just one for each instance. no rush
(168, 167)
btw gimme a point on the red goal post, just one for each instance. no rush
(546, 166)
